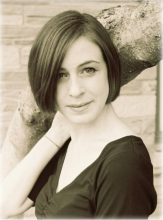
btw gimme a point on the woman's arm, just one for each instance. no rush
(19, 182)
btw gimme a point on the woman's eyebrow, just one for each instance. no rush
(82, 64)
(88, 62)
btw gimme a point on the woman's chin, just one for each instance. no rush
(81, 119)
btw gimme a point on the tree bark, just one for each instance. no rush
(136, 33)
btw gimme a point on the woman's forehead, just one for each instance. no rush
(82, 51)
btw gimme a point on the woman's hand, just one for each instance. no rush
(58, 132)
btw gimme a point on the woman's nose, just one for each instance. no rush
(76, 88)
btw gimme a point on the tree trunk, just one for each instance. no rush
(136, 33)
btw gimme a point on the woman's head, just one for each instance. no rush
(51, 46)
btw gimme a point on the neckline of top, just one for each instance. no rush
(95, 161)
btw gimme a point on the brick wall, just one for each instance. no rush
(21, 21)
(137, 105)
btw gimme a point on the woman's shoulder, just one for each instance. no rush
(123, 140)
(126, 174)
(125, 151)
(125, 160)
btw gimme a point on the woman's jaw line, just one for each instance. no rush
(80, 130)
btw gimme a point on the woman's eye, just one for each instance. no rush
(89, 70)
(63, 75)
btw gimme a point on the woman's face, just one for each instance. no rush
(82, 88)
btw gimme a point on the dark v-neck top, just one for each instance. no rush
(118, 184)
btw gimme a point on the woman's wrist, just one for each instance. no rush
(54, 138)
(51, 141)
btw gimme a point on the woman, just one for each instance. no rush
(89, 164)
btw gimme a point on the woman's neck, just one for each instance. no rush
(105, 121)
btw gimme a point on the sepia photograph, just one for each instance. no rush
(81, 109)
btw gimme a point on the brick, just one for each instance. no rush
(11, 8)
(6, 41)
(4, 129)
(133, 87)
(148, 125)
(24, 41)
(9, 101)
(19, 32)
(158, 180)
(158, 159)
(27, 2)
(148, 87)
(9, 106)
(10, 95)
(148, 139)
(55, 7)
(38, 21)
(24, 60)
(151, 147)
(25, 51)
(141, 124)
(12, 86)
(139, 87)
(10, 57)
(14, 76)
(134, 123)
(7, 116)
(150, 151)
(22, 69)
(11, 20)
(135, 106)
(158, 147)
(58, 7)
(150, 73)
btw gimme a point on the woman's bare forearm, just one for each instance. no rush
(19, 182)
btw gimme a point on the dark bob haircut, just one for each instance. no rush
(50, 47)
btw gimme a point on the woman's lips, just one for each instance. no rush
(80, 107)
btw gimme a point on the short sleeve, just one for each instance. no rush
(125, 188)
